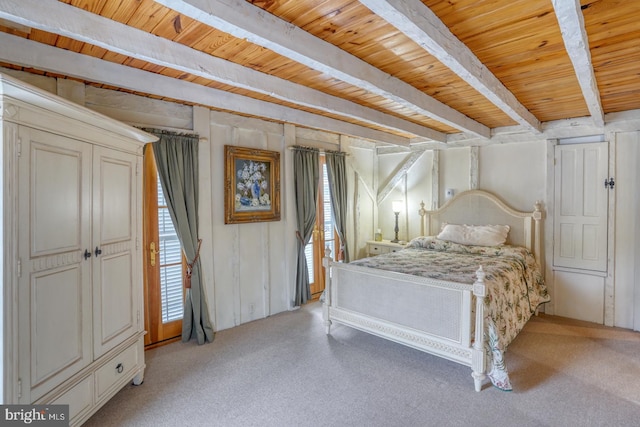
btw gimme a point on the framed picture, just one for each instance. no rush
(251, 186)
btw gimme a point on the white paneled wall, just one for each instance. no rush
(249, 275)
(627, 224)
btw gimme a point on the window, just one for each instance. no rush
(171, 273)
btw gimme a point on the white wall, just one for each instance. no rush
(363, 175)
(454, 171)
(388, 166)
(412, 188)
(418, 184)
(516, 172)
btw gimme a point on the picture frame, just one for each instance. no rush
(252, 185)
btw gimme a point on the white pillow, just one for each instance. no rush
(475, 235)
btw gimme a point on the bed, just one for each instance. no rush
(461, 300)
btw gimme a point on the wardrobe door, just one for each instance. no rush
(54, 297)
(116, 272)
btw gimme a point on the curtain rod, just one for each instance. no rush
(320, 150)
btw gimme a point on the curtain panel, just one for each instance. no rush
(337, 176)
(306, 174)
(176, 158)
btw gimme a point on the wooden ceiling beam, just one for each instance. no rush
(20, 51)
(574, 34)
(78, 24)
(421, 25)
(244, 20)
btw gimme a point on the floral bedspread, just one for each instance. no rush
(514, 286)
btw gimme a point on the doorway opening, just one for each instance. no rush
(324, 236)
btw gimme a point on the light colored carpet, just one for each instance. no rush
(284, 371)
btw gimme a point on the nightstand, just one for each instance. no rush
(382, 247)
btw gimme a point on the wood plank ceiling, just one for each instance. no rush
(397, 71)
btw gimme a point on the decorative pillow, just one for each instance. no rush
(422, 242)
(476, 235)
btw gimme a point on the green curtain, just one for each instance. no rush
(306, 174)
(337, 175)
(176, 158)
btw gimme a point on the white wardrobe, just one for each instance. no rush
(72, 279)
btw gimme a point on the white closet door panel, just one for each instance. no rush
(113, 195)
(56, 195)
(569, 172)
(590, 240)
(54, 332)
(581, 220)
(566, 241)
(56, 322)
(116, 296)
(115, 277)
(594, 170)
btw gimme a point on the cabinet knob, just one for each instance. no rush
(97, 251)
(119, 368)
(87, 254)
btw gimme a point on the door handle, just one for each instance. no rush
(152, 253)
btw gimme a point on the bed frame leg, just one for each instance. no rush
(477, 380)
(327, 326)
(478, 362)
(325, 315)
(326, 263)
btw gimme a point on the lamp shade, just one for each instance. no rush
(396, 205)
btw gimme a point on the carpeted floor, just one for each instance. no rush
(284, 371)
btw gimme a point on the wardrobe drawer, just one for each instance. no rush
(79, 398)
(116, 371)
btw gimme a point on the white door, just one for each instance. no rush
(54, 298)
(115, 301)
(581, 206)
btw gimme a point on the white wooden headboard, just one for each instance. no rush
(478, 207)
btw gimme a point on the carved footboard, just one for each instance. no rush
(426, 314)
